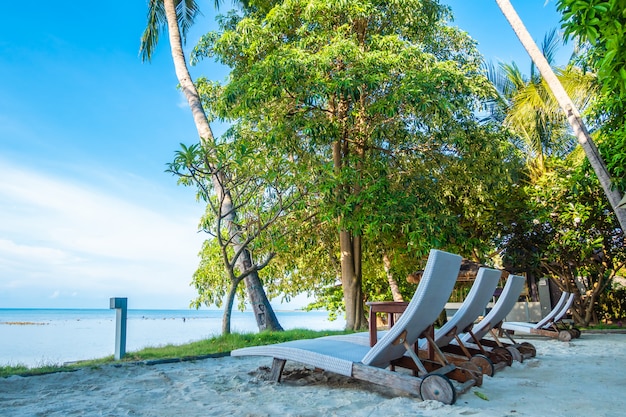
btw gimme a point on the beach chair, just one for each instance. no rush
(550, 326)
(366, 363)
(428, 347)
(498, 352)
(559, 323)
(462, 321)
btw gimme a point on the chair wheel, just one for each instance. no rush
(565, 336)
(503, 355)
(515, 354)
(439, 388)
(527, 348)
(484, 363)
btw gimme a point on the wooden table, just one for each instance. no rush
(389, 307)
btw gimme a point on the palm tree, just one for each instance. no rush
(531, 112)
(568, 107)
(178, 16)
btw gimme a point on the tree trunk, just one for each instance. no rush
(573, 116)
(182, 73)
(531, 283)
(228, 307)
(264, 313)
(256, 293)
(393, 284)
(351, 280)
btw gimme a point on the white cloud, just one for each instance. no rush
(12, 252)
(76, 239)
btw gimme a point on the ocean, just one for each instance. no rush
(36, 337)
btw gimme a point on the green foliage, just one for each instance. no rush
(566, 230)
(264, 197)
(374, 103)
(529, 110)
(561, 226)
(211, 278)
(611, 304)
(601, 26)
(186, 11)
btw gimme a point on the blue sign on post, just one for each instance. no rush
(120, 305)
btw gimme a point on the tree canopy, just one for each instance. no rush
(375, 101)
(600, 28)
(355, 146)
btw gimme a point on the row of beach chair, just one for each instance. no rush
(413, 356)
(552, 325)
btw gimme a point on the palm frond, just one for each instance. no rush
(187, 11)
(549, 48)
(156, 23)
(515, 80)
(580, 86)
(550, 45)
(497, 105)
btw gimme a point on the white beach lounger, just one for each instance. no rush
(473, 306)
(501, 354)
(509, 296)
(365, 363)
(468, 365)
(548, 326)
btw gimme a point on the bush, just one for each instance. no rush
(611, 305)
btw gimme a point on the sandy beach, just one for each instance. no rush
(584, 377)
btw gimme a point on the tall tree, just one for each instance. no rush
(178, 16)
(566, 231)
(265, 199)
(348, 88)
(573, 116)
(538, 128)
(599, 28)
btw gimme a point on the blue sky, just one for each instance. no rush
(86, 209)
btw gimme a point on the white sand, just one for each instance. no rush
(585, 377)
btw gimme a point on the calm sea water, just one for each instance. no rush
(36, 337)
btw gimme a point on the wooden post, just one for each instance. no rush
(120, 305)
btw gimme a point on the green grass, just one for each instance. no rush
(213, 346)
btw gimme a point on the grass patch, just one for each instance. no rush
(214, 345)
(22, 370)
(225, 343)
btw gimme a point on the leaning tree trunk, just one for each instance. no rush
(260, 304)
(573, 116)
(264, 313)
